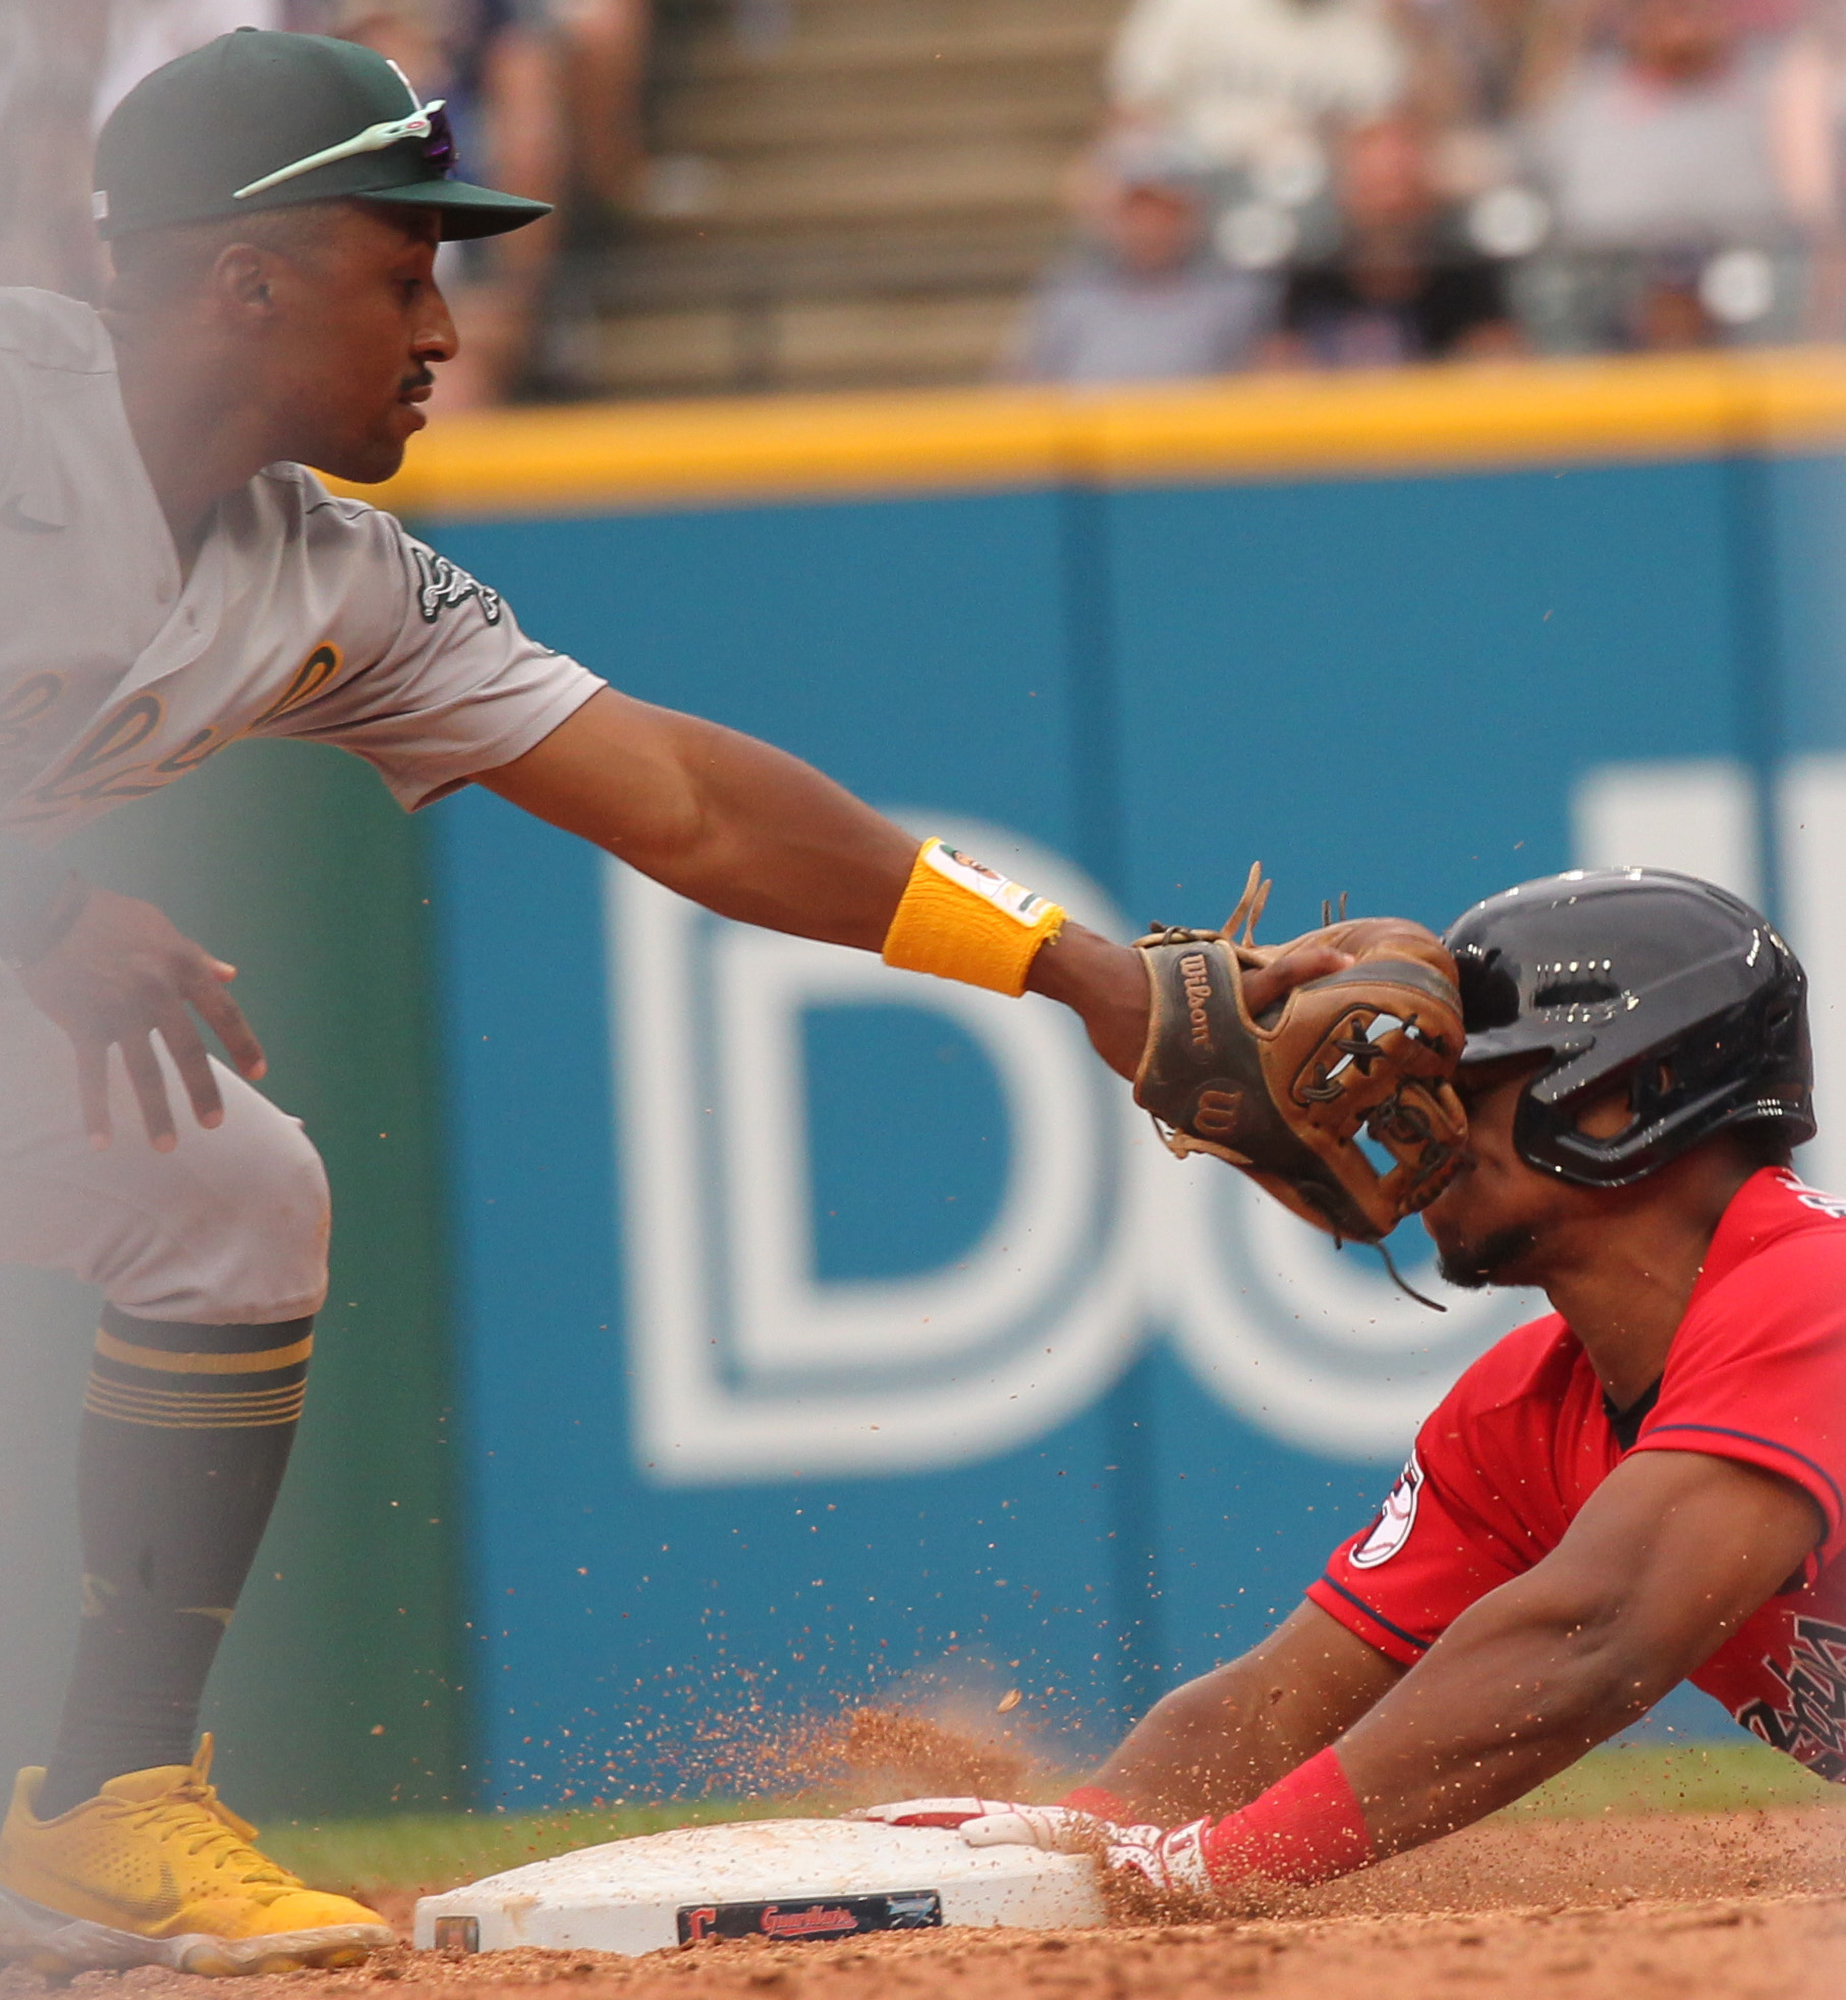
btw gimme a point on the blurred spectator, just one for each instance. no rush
(1480, 62)
(1690, 178)
(64, 66)
(1252, 83)
(1774, 17)
(1146, 298)
(605, 77)
(528, 83)
(1477, 66)
(531, 82)
(545, 97)
(48, 62)
(1405, 283)
(144, 34)
(497, 66)
(1665, 138)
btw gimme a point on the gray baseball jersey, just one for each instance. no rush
(304, 615)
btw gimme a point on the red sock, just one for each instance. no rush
(1093, 1799)
(1306, 1828)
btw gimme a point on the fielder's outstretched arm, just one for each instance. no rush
(755, 834)
(730, 822)
(735, 824)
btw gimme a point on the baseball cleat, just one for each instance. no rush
(157, 1870)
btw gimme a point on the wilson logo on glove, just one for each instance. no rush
(1365, 1052)
(1198, 992)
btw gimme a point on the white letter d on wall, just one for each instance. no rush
(747, 1364)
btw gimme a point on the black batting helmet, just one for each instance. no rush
(1675, 986)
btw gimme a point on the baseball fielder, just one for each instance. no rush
(1643, 1487)
(175, 580)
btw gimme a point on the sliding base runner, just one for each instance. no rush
(786, 1879)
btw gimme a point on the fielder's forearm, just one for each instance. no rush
(755, 834)
(730, 822)
(769, 840)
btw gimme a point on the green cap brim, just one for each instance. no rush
(467, 211)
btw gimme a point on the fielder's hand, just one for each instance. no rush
(1288, 1092)
(121, 974)
(1106, 985)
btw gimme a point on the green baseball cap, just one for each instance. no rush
(260, 120)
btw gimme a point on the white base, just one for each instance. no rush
(655, 1891)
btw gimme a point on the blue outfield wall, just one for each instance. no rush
(829, 1333)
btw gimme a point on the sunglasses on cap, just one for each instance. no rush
(428, 122)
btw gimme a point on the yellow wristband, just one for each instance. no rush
(962, 921)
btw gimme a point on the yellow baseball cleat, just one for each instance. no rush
(157, 1870)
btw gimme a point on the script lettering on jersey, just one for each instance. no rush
(20, 708)
(94, 770)
(442, 585)
(1822, 1204)
(1811, 1727)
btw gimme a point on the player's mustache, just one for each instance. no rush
(422, 377)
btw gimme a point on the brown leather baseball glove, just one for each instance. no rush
(1363, 1053)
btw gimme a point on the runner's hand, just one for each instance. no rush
(1170, 1863)
(121, 974)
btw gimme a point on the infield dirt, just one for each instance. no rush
(1734, 1906)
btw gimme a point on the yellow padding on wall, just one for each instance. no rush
(605, 457)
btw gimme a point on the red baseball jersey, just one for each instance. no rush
(1756, 1372)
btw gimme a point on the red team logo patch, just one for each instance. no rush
(1393, 1526)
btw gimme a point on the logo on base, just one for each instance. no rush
(827, 1917)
